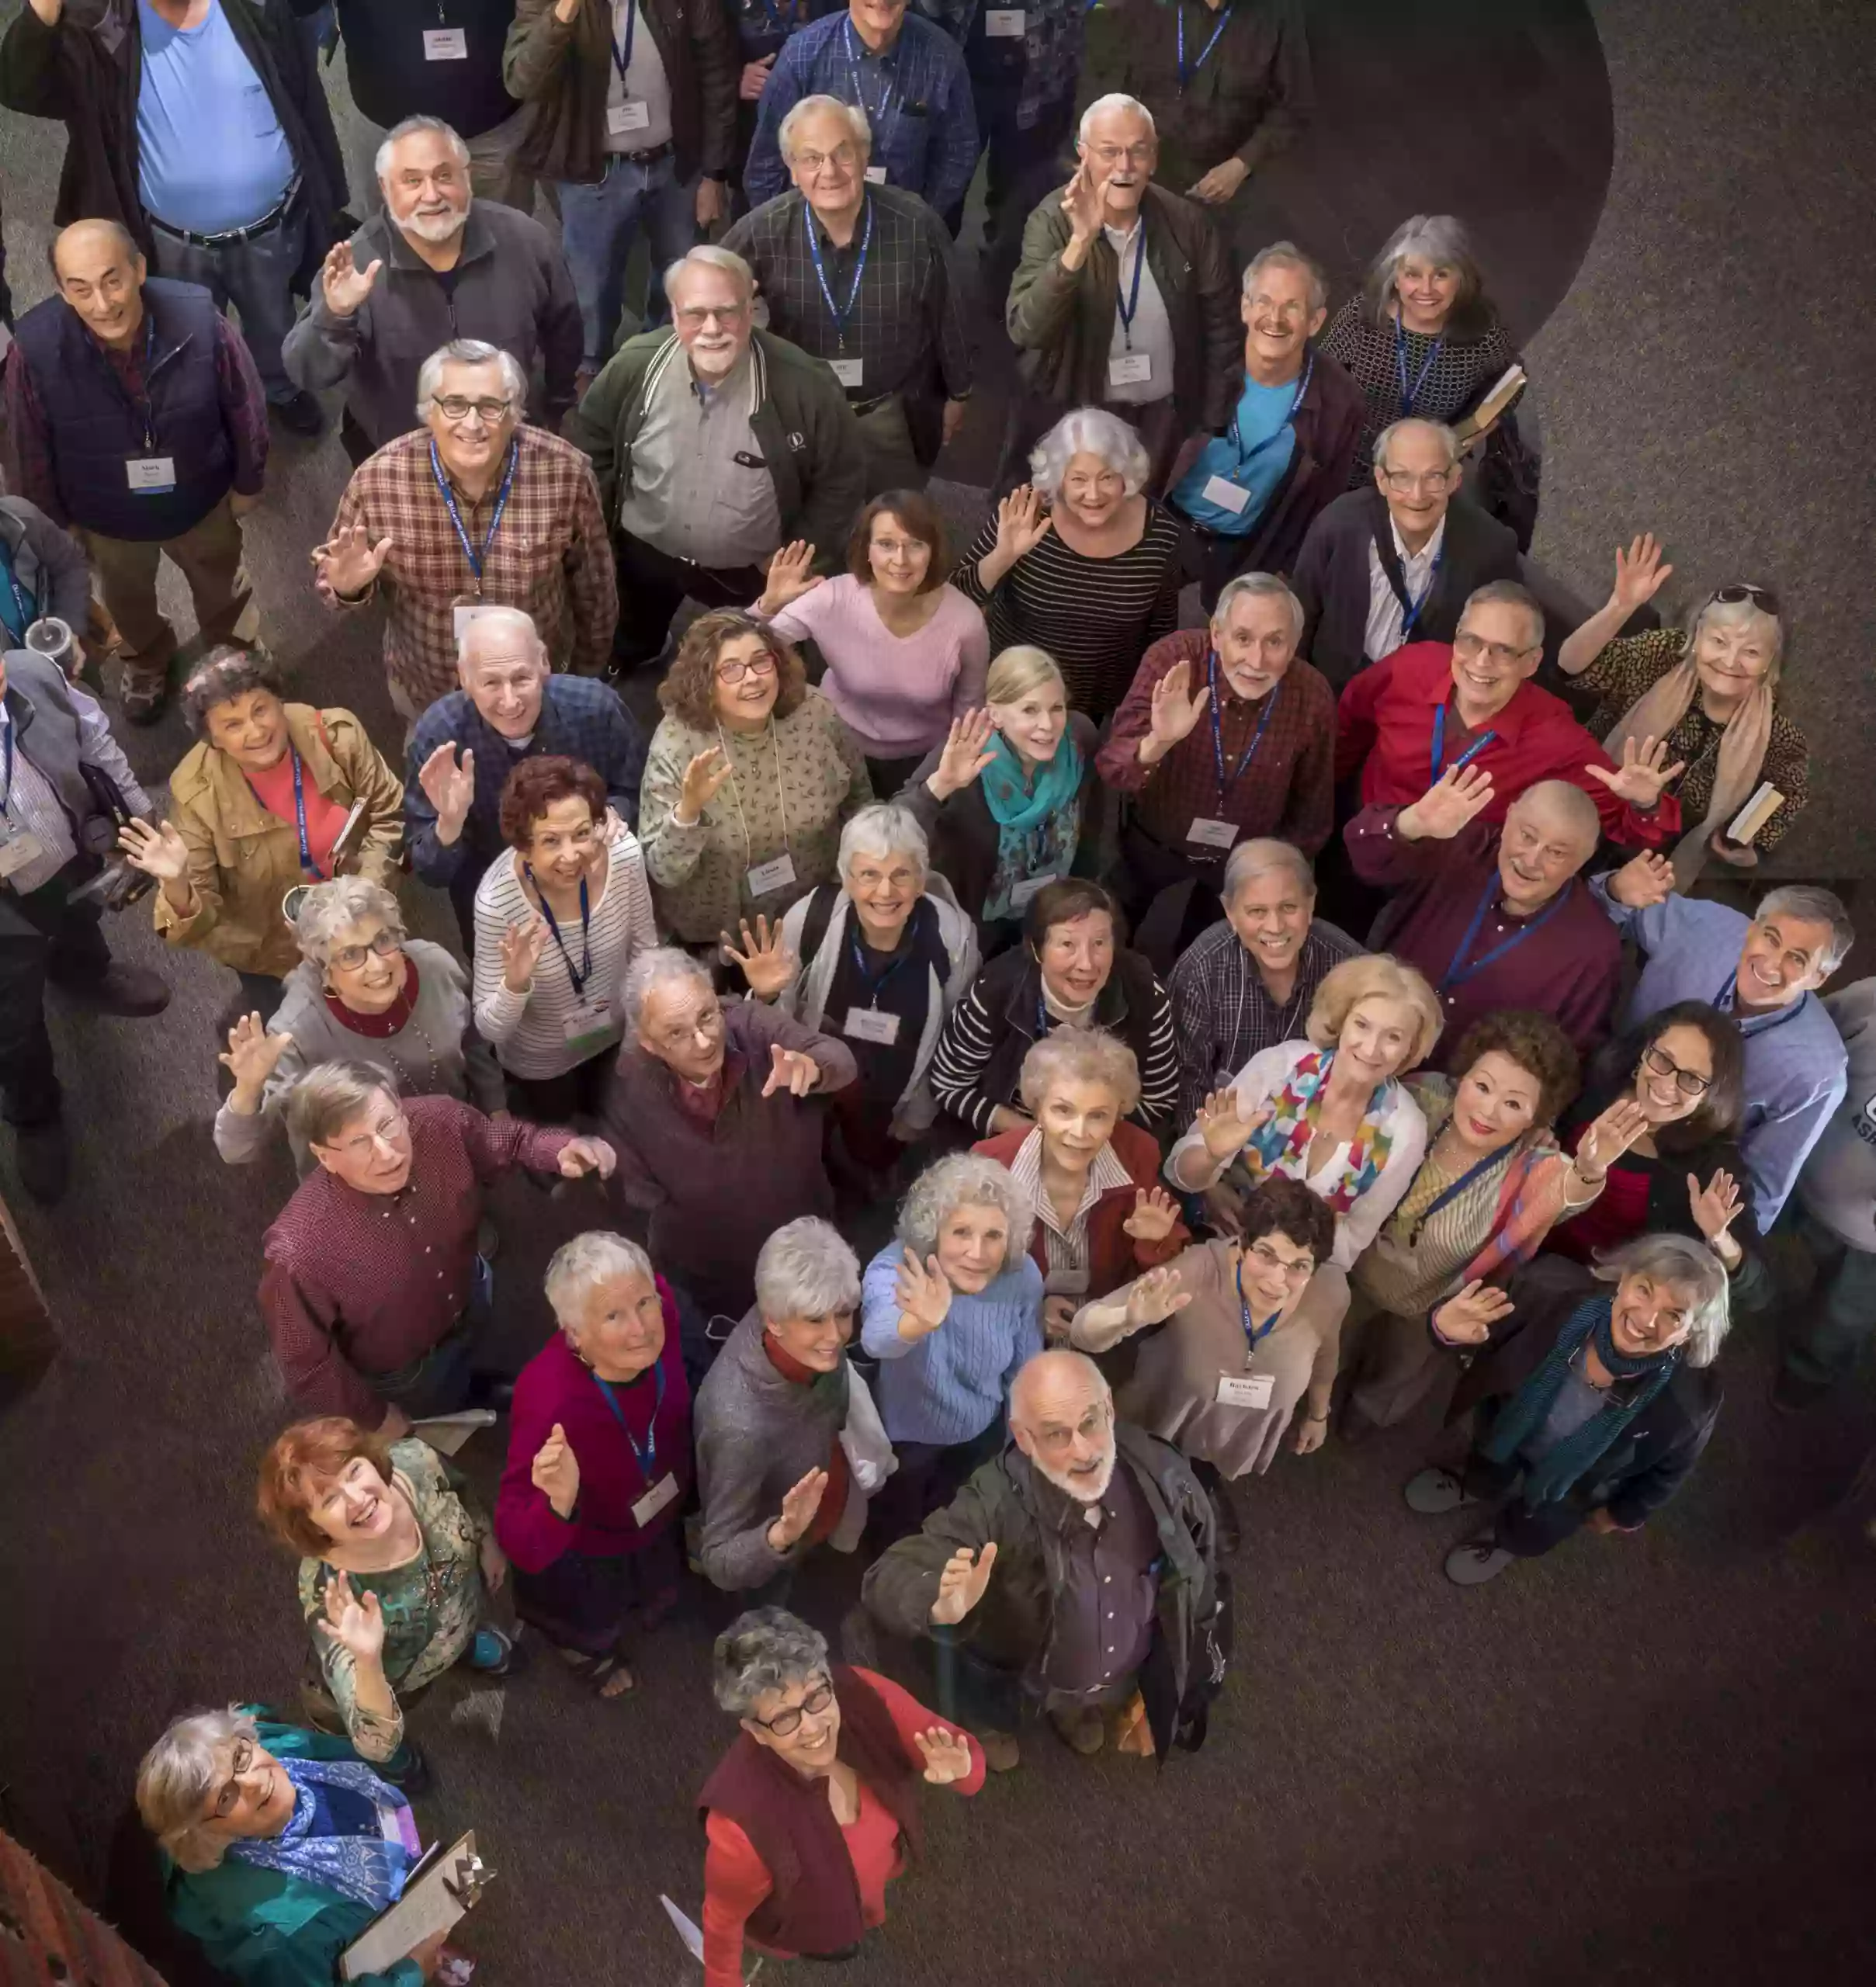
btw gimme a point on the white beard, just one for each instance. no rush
(1084, 1490)
(442, 229)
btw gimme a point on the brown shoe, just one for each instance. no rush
(1085, 1730)
(142, 693)
(1001, 1754)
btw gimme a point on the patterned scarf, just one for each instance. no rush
(1037, 825)
(1281, 1143)
(1526, 1412)
(368, 1869)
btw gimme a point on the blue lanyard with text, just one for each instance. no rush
(469, 552)
(306, 847)
(553, 931)
(647, 1457)
(1410, 394)
(1465, 758)
(1244, 455)
(623, 60)
(22, 607)
(1458, 973)
(838, 312)
(1218, 729)
(1254, 1335)
(1224, 21)
(6, 753)
(1133, 303)
(879, 117)
(1410, 620)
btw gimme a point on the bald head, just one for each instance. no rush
(100, 274)
(1551, 831)
(1061, 1416)
(502, 663)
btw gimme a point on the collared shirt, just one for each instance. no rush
(1065, 1243)
(1151, 334)
(551, 558)
(905, 312)
(32, 806)
(644, 82)
(1387, 618)
(1101, 1614)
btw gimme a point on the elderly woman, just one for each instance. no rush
(1080, 560)
(599, 1460)
(887, 956)
(1709, 689)
(558, 918)
(395, 1570)
(906, 651)
(1072, 971)
(256, 807)
(1011, 800)
(363, 992)
(813, 1812)
(951, 1309)
(278, 1846)
(1594, 1404)
(749, 777)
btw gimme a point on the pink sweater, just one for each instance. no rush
(897, 694)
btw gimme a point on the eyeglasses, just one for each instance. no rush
(811, 1706)
(239, 1761)
(1405, 483)
(736, 667)
(349, 958)
(388, 1132)
(708, 1021)
(1691, 1082)
(693, 318)
(1298, 1272)
(1056, 1438)
(453, 407)
(1501, 655)
(1761, 597)
(814, 162)
(1143, 154)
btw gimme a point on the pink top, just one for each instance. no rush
(896, 694)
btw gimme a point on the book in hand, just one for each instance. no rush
(442, 1886)
(1511, 383)
(349, 839)
(1745, 826)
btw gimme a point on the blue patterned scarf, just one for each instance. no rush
(1037, 825)
(366, 1868)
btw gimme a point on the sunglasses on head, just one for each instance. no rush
(1761, 597)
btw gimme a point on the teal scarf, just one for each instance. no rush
(1038, 825)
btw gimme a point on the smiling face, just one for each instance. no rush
(1672, 1075)
(1122, 150)
(251, 729)
(621, 1328)
(366, 967)
(254, 1799)
(1427, 291)
(102, 281)
(505, 670)
(1538, 852)
(1063, 1422)
(681, 1022)
(1076, 957)
(1377, 1038)
(1493, 653)
(1734, 655)
(746, 682)
(884, 889)
(817, 1342)
(1270, 912)
(1256, 640)
(1076, 1120)
(426, 187)
(472, 418)
(355, 1507)
(1417, 481)
(827, 162)
(1496, 1101)
(566, 843)
(1032, 726)
(1782, 959)
(712, 317)
(1651, 1315)
(1281, 317)
(1276, 1272)
(811, 1715)
(1093, 492)
(899, 561)
(973, 1240)
(878, 21)
(372, 1153)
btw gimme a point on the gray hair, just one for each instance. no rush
(858, 122)
(965, 1179)
(1567, 804)
(1259, 586)
(1384, 441)
(178, 1775)
(652, 969)
(1261, 854)
(884, 829)
(1080, 1055)
(1737, 614)
(1052, 1359)
(1288, 255)
(1815, 905)
(512, 617)
(806, 1270)
(1678, 1259)
(580, 1266)
(1508, 593)
(227, 672)
(325, 909)
(727, 260)
(1114, 102)
(766, 1649)
(332, 1095)
(1439, 239)
(469, 351)
(1089, 431)
(381, 159)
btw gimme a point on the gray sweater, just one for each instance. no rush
(1838, 1185)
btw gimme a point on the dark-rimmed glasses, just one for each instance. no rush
(785, 1722)
(1691, 1082)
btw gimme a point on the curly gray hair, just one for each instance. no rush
(1089, 431)
(1080, 1055)
(806, 1270)
(766, 1649)
(230, 670)
(1679, 1259)
(381, 159)
(580, 1266)
(965, 1179)
(322, 911)
(180, 1774)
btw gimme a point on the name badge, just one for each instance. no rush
(18, 850)
(1227, 496)
(1246, 1389)
(998, 21)
(465, 612)
(776, 874)
(662, 1493)
(1130, 369)
(151, 472)
(869, 1024)
(1021, 893)
(589, 1028)
(875, 175)
(446, 45)
(848, 371)
(633, 115)
(1213, 835)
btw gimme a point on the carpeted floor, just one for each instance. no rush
(1648, 1761)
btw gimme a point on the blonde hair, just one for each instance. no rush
(1375, 977)
(178, 1775)
(1016, 671)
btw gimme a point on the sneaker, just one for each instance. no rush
(132, 991)
(300, 415)
(43, 1161)
(1083, 1731)
(142, 693)
(1476, 1561)
(494, 1653)
(1001, 1754)
(1435, 1492)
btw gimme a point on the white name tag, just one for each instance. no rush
(465, 612)
(868, 1024)
(848, 371)
(446, 45)
(654, 1500)
(1214, 834)
(1227, 496)
(1003, 21)
(1021, 893)
(633, 115)
(589, 1028)
(151, 472)
(875, 175)
(776, 874)
(1246, 1389)
(17, 851)
(1131, 368)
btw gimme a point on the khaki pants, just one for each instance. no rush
(887, 440)
(209, 557)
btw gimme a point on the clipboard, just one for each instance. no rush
(349, 839)
(443, 1885)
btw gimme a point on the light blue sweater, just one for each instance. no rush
(951, 1384)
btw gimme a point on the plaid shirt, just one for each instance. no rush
(552, 558)
(1287, 790)
(904, 312)
(1051, 45)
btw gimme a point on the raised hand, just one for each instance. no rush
(343, 283)
(449, 787)
(703, 780)
(962, 1583)
(1155, 1213)
(584, 1155)
(156, 848)
(791, 1070)
(966, 753)
(1642, 774)
(1459, 795)
(522, 945)
(1644, 880)
(1224, 1128)
(1175, 709)
(1154, 1297)
(555, 1471)
(790, 573)
(1220, 183)
(798, 1510)
(1082, 201)
(355, 1624)
(250, 1058)
(923, 1292)
(947, 1756)
(1609, 1135)
(1468, 1319)
(1639, 573)
(767, 965)
(1716, 1206)
(1022, 523)
(348, 562)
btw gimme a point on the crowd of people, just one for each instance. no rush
(957, 879)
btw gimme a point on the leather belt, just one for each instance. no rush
(649, 156)
(228, 236)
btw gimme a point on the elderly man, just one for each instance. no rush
(718, 1117)
(1248, 984)
(373, 1294)
(1251, 494)
(860, 276)
(905, 74)
(1763, 971)
(1494, 917)
(138, 423)
(773, 1476)
(1077, 1567)
(1402, 721)
(632, 113)
(472, 509)
(434, 264)
(715, 445)
(1396, 563)
(199, 125)
(511, 706)
(1125, 299)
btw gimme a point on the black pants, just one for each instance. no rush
(1210, 558)
(1169, 897)
(1526, 1530)
(577, 1093)
(44, 936)
(653, 586)
(1022, 167)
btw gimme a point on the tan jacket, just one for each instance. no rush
(243, 860)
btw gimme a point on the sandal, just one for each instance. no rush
(596, 1672)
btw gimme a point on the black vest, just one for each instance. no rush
(94, 429)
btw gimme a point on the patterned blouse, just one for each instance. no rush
(1627, 669)
(431, 1606)
(1445, 384)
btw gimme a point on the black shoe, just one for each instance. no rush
(408, 1771)
(1792, 1394)
(43, 1161)
(132, 991)
(1354, 1426)
(300, 415)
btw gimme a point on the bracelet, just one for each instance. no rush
(1314, 1417)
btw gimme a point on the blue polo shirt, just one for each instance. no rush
(1253, 455)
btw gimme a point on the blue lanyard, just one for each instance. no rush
(1410, 394)
(647, 1457)
(1224, 21)
(1726, 1000)
(1133, 303)
(840, 312)
(553, 931)
(1218, 729)
(623, 62)
(1457, 974)
(1435, 767)
(1410, 620)
(879, 116)
(1455, 1188)
(1254, 1335)
(306, 847)
(469, 552)
(1246, 456)
(874, 989)
(22, 607)
(6, 752)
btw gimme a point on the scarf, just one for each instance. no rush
(368, 1869)
(1281, 1143)
(1563, 1466)
(1038, 825)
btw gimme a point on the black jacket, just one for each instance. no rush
(1331, 576)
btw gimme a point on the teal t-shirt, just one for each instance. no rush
(1253, 457)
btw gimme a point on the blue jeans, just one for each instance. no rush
(1825, 1349)
(598, 225)
(256, 276)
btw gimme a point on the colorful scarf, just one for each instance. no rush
(366, 1868)
(1037, 825)
(1562, 1466)
(1281, 1143)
